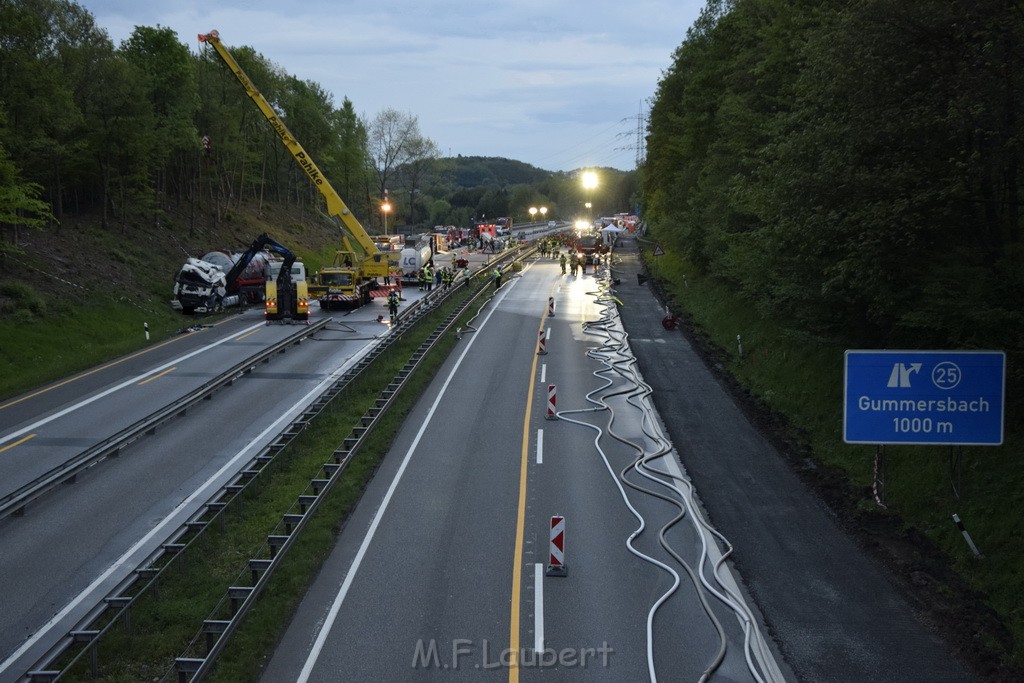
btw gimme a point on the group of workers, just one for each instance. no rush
(549, 246)
(431, 277)
(428, 278)
(576, 262)
(444, 276)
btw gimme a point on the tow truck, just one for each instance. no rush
(203, 287)
(286, 298)
(333, 286)
(367, 261)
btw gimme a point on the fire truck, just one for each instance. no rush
(590, 246)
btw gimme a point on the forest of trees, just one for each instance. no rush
(848, 165)
(134, 130)
(851, 166)
(137, 132)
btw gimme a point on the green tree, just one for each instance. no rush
(895, 179)
(20, 205)
(120, 120)
(349, 167)
(245, 159)
(167, 73)
(420, 156)
(851, 166)
(48, 50)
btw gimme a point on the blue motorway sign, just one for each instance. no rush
(924, 397)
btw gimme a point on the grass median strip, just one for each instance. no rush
(164, 622)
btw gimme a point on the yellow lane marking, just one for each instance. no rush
(150, 379)
(16, 443)
(247, 334)
(517, 559)
(97, 369)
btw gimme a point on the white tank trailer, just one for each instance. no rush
(415, 256)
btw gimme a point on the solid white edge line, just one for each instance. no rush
(540, 446)
(122, 385)
(538, 607)
(332, 614)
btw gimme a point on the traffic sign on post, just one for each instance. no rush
(924, 397)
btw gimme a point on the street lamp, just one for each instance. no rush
(589, 183)
(385, 208)
(533, 213)
(543, 213)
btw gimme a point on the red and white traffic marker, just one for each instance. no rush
(551, 306)
(541, 342)
(556, 559)
(551, 403)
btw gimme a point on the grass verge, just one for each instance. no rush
(800, 378)
(66, 340)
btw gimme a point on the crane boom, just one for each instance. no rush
(354, 237)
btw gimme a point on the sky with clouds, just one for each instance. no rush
(559, 84)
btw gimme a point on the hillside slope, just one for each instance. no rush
(76, 295)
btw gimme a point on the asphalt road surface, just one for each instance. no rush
(440, 571)
(834, 613)
(78, 542)
(429, 579)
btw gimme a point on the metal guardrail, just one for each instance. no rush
(241, 598)
(115, 607)
(15, 502)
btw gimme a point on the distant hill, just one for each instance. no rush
(489, 171)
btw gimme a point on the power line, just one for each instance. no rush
(581, 142)
(600, 145)
(639, 144)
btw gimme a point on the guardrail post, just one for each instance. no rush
(237, 594)
(125, 603)
(89, 637)
(187, 665)
(213, 629)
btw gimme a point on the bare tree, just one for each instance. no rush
(421, 157)
(392, 135)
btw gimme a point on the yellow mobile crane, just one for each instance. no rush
(347, 283)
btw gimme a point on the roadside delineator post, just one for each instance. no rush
(541, 341)
(145, 326)
(551, 306)
(551, 403)
(556, 556)
(967, 537)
